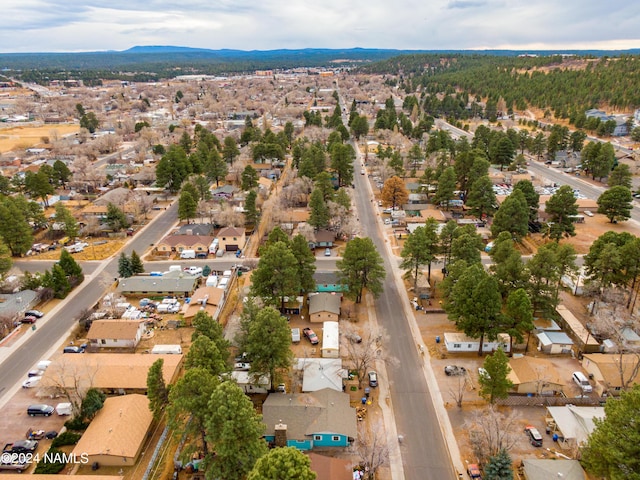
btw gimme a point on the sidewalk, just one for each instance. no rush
(11, 344)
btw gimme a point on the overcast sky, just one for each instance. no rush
(80, 25)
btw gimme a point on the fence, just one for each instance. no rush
(518, 401)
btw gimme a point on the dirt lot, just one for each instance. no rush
(20, 138)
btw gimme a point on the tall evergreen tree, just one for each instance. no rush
(562, 208)
(495, 383)
(124, 266)
(361, 267)
(135, 263)
(235, 429)
(157, 389)
(512, 216)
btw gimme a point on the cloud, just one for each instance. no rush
(82, 25)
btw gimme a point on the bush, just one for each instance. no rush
(66, 438)
(53, 467)
(76, 424)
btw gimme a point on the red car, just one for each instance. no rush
(29, 319)
(311, 335)
(474, 472)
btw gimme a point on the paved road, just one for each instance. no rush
(424, 453)
(15, 365)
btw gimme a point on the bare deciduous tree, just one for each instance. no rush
(490, 431)
(372, 448)
(69, 380)
(361, 355)
(614, 322)
(457, 386)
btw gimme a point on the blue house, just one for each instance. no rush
(328, 282)
(309, 420)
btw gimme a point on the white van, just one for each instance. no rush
(64, 409)
(185, 254)
(175, 268)
(212, 281)
(224, 281)
(582, 382)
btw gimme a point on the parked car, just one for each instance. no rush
(34, 313)
(243, 366)
(534, 436)
(73, 349)
(474, 471)
(453, 370)
(311, 335)
(40, 409)
(18, 465)
(51, 434)
(353, 337)
(327, 252)
(31, 382)
(373, 379)
(21, 446)
(29, 319)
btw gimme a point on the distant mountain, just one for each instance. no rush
(153, 62)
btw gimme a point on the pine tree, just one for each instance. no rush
(493, 381)
(156, 388)
(70, 267)
(135, 264)
(499, 467)
(124, 266)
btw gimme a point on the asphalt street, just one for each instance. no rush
(424, 452)
(51, 330)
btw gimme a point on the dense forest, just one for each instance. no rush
(566, 86)
(142, 64)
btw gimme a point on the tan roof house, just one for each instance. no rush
(109, 372)
(231, 239)
(115, 333)
(177, 243)
(324, 307)
(534, 375)
(118, 432)
(209, 299)
(612, 371)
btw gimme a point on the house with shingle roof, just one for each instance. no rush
(171, 283)
(609, 371)
(178, 243)
(118, 432)
(309, 420)
(534, 375)
(209, 299)
(115, 333)
(109, 372)
(324, 307)
(231, 239)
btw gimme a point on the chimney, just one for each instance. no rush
(281, 435)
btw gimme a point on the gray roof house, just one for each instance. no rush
(171, 283)
(195, 229)
(328, 282)
(544, 469)
(324, 306)
(309, 420)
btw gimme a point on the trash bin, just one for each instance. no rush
(33, 327)
(555, 437)
(367, 391)
(438, 339)
(364, 400)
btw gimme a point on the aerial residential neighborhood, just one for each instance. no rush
(373, 281)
